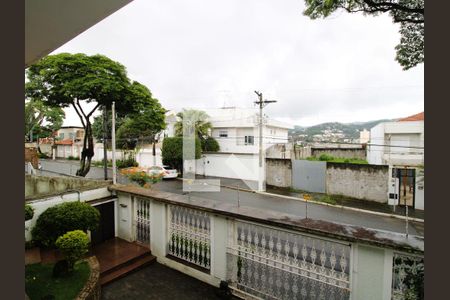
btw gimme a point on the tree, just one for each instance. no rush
(172, 151)
(65, 80)
(410, 14)
(198, 120)
(210, 144)
(41, 120)
(143, 125)
(195, 118)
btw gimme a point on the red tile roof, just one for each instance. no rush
(416, 117)
(64, 142)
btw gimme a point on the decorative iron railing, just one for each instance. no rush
(142, 229)
(190, 235)
(272, 263)
(407, 277)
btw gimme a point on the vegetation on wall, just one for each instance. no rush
(330, 158)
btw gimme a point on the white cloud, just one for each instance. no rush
(207, 53)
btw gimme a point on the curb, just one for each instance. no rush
(326, 204)
(346, 207)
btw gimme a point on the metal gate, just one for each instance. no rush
(271, 263)
(142, 221)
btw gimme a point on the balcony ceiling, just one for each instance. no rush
(49, 24)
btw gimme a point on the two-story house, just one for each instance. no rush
(400, 144)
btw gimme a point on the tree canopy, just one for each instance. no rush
(66, 79)
(42, 120)
(197, 119)
(410, 14)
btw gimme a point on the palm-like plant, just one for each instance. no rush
(196, 119)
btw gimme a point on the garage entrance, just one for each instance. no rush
(105, 230)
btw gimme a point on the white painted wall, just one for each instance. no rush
(242, 166)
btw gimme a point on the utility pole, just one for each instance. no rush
(261, 178)
(113, 141)
(105, 150)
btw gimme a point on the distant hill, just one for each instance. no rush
(332, 131)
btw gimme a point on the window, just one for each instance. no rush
(71, 135)
(223, 133)
(61, 135)
(249, 140)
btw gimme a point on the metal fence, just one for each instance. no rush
(142, 221)
(272, 263)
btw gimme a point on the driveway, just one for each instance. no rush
(158, 282)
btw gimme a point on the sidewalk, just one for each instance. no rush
(329, 200)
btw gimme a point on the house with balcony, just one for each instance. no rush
(400, 145)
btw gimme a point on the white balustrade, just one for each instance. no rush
(272, 263)
(189, 235)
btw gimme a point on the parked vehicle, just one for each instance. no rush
(166, 171)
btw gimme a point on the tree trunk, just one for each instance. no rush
(88, 151)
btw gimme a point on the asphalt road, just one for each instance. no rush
(293, 207)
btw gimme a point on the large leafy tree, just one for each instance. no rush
(41, 120)
(145, 124)
(75, 80)
(410, 14)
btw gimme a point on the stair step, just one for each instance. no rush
(125, 262)
(126, 268)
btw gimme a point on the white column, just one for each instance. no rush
(219, 235)
(158, 228)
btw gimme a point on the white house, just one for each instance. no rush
(400, 145)
(237, 132)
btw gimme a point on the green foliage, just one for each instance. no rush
(29, 212)
(172, 151)
(126, 163)
(73, 245)
(40, 283)
(196, 120)
(65, 79)
(330, 158)
(41, 119)
(73, 157)
(141, 177)
(410, 14)
(59, 219)
(210, 144)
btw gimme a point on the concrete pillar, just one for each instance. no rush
(158, 228)
(219, 235)
(125, 217)
(372, 273)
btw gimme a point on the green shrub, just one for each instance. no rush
(73, 245)
(210, 144)
(172, 151)
(61, 218)
(42, 155)
(126, 163)
(29, 212)
(73, 158)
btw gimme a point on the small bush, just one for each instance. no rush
(29, 212)
(42, 155)
(73, 245)
(126, 163)
(73, 158)
(61, 218)
(141, 177)
(210, 144)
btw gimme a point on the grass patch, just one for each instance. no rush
(39, 281)
(326, 157)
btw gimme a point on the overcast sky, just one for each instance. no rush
(210, 53)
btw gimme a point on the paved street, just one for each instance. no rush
(315, 211)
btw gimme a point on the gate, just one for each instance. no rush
(273, 263)
(142, 221)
